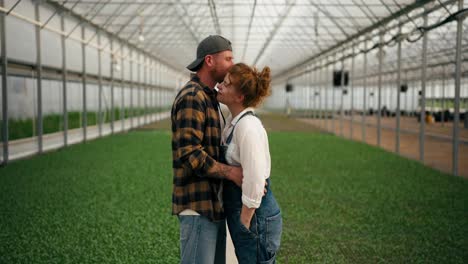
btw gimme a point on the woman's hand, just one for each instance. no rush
(246, 216)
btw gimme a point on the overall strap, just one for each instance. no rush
(229, 138)
(219, 109)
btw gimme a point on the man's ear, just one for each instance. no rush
(209, 60)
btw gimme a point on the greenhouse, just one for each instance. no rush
(366, 122)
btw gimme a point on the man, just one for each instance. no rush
(196, 134)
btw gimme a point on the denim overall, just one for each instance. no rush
(261, 241)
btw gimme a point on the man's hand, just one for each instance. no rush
(223, 171)
(235, 175)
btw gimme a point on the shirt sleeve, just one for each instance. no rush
(189, 126)
(253, 161)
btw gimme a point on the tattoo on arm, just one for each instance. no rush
(221, 171)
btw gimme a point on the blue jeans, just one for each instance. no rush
(202, 241)
(261, 241)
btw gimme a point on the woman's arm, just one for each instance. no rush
(254, 159)
(246, 215)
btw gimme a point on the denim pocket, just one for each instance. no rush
(273, 232)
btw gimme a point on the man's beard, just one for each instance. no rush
(217, 75)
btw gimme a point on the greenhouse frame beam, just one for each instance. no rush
(249, 29)
(64, 83)
(132, 17)
(138, 89)
(112, 117)
(153, 33)
(122, 76)
(245, 3)
(342, 87)
(117, 13)
(352, 94)
(99, 86)
(83, 82)
(103, 25)
(214, 16)
(131, 34)
(379, 91)
(4, 87)
(406, 61)
(273, 32)
(82, 19)
(364, 112)
(132, 111)
(398, 113)
(329, 16)
(39, 79)
(456, 115)
(333, 96)
(401, 12)
(422, 115)
(190, 30)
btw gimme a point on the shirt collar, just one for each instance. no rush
(236, 118)
(210, 92)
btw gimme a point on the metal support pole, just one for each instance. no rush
(85, 111)
(64, 82)
(456, 114)
(307, 93)
(333, 106)
(311, 96)
(398, 113)
(132, 113)
(100, 121)
(122, 84)
(112, 115)
(364, 107)
(315, 83)
(4, 87)
(160, 99)
(379, 91)
(324, 80)
(351, 87)
(433, 95)
(413, 100)
(326, 97)
(139, 90)
(423, 94)
(39, 80)
(342, 88)
(156, 74)
(145, 87)
(443, 95)
(151, 91)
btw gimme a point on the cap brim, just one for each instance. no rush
(194, 65)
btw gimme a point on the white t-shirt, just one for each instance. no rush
(249, 149)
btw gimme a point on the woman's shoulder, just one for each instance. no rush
(250, 122)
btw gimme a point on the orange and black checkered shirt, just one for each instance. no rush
(196, 136)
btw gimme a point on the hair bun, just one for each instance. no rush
(263, 82)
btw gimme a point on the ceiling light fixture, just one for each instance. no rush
(141, 37)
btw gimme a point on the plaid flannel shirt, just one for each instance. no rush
(196, 136)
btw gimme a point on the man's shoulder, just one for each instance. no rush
(192, 90)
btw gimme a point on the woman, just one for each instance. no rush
(253, 217)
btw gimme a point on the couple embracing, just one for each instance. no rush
(222, 165)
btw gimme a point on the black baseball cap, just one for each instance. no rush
(210, 45)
